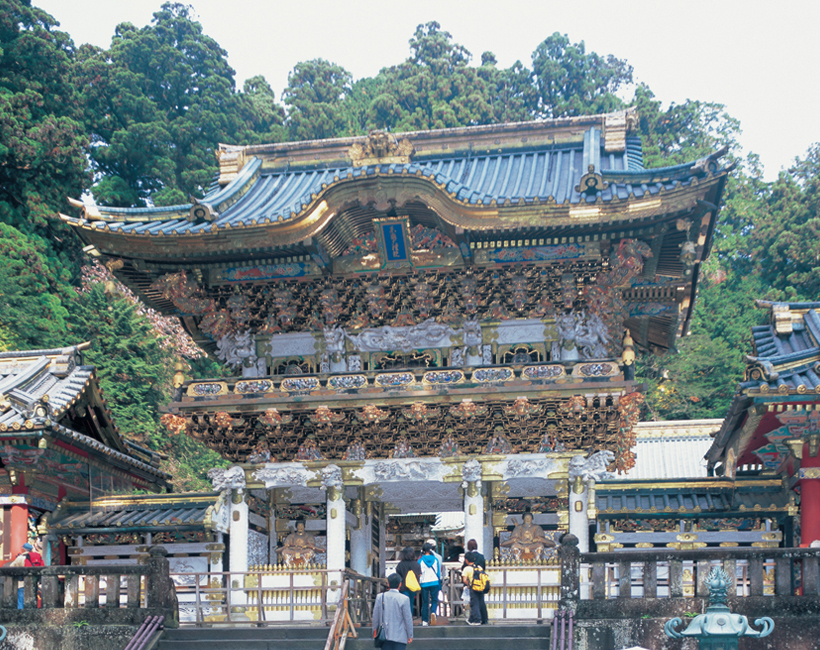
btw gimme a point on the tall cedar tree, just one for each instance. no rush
(157, 103)
(42, 136)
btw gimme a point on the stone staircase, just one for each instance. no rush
(456, 636)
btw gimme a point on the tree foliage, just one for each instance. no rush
(315, 91)
(138, 123)
(34, 293)
(571, 82)
(42, 136)
(157, 103)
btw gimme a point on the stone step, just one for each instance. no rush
(456, 636)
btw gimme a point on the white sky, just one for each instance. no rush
(759, 59)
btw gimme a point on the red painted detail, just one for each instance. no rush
(72, 449)
(809, 501)
(19, 528)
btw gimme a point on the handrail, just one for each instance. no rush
(342, 624)
(611, 577)
(120, 591)
(141, 639)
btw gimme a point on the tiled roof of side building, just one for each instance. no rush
(155, 512)
(695, 497)
(786, 361)
(37, 389)
(672, 450)
(787, 350)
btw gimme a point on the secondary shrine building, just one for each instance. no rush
(419, 324)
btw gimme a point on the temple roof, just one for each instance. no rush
(780, 386)
(672, 450)
(786, 351)
(715, 497)
(50, 393)
(135, 513)
(503, 177)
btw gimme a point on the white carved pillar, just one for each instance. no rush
(232, 480)
(215, 564)
(583, 473)
(360, 538)
(578, 517)
(273, 540)
(473, 503)
(334, 489)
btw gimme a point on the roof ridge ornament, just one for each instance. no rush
(231, 159)
(201, 211)
(709, 164)
(591, 183)
(381, 148)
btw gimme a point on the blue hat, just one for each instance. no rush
(28, 547)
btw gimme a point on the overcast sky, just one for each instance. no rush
(760, 59)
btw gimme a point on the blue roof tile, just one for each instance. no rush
(257, 194)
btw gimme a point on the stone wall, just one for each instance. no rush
(71, 637)
(625, 623)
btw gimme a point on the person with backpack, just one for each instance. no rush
(407, 565)
(472, 545)
(476, 579)
(430, 582)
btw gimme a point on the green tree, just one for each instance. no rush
(571, 82)
(683, 132)
(512, 94)
(697, 383)
(41, 138)
(263, 119)
(132, 366)
(784, 239)
(434, 88)
(315, 92)
(157, 103)
(34, 292)
(134, 370)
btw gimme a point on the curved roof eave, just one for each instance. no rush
(385, 187)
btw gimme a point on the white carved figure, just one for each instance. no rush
(354, 363)
(332, 477)
(457, 357)
(239, 349)
(567, 324)
(428, 334)
(592, 337)
(335, 340)
(472, 333)
(282, 476)
(582, 337)
(227, 479)
(404, 470)
(593, 467)
(471, 471)
(525, 468)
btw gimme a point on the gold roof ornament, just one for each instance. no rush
(381, 148)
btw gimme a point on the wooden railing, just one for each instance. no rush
(265, 597)
(362, 594)
(95, 594)
(342, 625)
